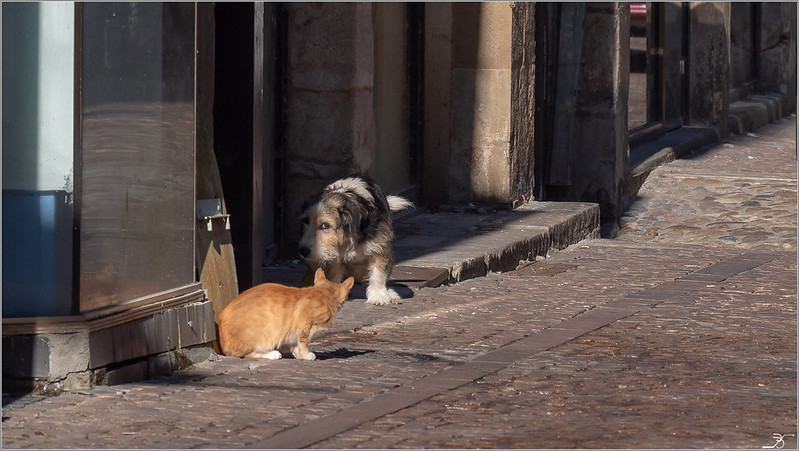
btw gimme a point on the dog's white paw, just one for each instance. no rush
(381, 297)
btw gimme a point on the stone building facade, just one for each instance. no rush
(519, 101)
(487, 104)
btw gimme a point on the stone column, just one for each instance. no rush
(590, 152)
(709, 65)
(437, 102)
(483, 162)
(329, 100)
(522, 126)
(777, 52)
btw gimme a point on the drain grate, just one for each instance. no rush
(540, 269)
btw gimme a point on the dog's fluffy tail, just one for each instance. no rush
(396, 203)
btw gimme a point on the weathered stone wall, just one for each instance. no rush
(590, 147)
(481, 93)
(479, 103)
(470, 103)
(329, 100)
(709, 62)
(522, 131)
(437, 102)
(777, 62)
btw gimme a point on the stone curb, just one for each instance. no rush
(648, 156)
(754, 112)
(468, 245)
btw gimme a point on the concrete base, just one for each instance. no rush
(755, 112)
(144, 348)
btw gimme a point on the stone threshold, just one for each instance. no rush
(449, 246)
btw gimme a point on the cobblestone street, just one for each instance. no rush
(679, 333)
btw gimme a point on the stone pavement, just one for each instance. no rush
(745, 189)
(679, 333)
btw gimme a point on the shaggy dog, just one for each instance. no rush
(347, 231)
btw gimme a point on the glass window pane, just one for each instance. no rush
(38, 124)
(137, 181)
(637, 102)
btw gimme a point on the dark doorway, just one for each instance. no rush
(245, 111)
(233, 125)
(657, 69)
(744, 32)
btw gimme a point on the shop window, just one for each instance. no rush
(38, 104)
(136, 183)
(119, 224)
(637, 111)
(657, 69)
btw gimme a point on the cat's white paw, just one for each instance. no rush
(271, 355)
(308, 356)
(381, 296)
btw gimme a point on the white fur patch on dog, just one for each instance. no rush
(396, 203)
(381, 296)
(352, 184)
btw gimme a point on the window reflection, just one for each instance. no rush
(137, 184)
(38, 155)
(638, 66)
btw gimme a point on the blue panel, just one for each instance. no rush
(37, 253)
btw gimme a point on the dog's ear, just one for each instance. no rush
(351, 218)
(369, 221)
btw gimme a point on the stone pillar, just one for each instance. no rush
(777, 52)
(329, 100)
(522, 98)
(709, 65)
(437, 102)
(590, 160)
(479, 84)
(480, 100)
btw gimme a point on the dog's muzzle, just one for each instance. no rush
(305, 252)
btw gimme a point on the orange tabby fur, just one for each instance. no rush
(269, 319)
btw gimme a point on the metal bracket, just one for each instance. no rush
(210, 209)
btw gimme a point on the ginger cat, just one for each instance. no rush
(269, 319)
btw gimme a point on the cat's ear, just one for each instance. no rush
(319, 276)
(348, 283)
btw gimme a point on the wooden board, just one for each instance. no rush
(214, 249)
(215, 263)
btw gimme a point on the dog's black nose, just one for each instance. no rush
(304, 251)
